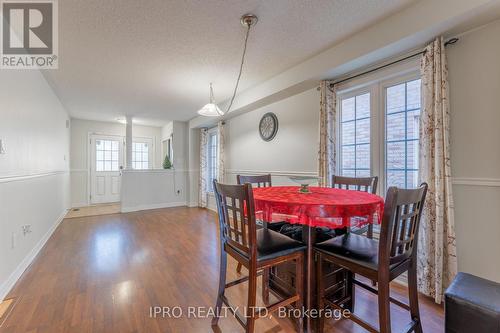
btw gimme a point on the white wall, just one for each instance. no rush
(292, 151)
(80, 130)
(474, 73)
(34, 178)
(151, 189)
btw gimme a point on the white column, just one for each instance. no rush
(128, 143)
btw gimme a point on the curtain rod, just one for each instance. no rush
(448, 42)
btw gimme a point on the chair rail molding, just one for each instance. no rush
(15, 178)
(489, 182)
(273, 173)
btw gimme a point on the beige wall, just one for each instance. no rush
(474, 72)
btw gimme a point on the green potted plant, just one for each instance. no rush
(167, 164)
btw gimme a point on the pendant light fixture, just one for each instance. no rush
(211, 109)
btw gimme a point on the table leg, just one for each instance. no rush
(309, 238)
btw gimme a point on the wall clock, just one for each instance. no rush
(268, 126)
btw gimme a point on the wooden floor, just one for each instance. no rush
(103, 273)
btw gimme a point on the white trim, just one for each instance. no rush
(273, 173)
(78, 170)
(153, 170)
(15, 178)
(491, 182)
(152, 206)
(14, 276)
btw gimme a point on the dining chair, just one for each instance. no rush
(365, 184)
(257, 250)
(256, 181)
(381, 261)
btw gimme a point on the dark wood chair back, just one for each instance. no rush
(366, 184)
(235, 206)
(256, 181)
(400, 224)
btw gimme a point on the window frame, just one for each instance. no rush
(150, 143)
(376, 83)
(211, 132)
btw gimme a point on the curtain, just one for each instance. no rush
(220, 151)
(437, 261)
(202, 182)
(327, 129)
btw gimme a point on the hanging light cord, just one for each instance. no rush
(241, 69)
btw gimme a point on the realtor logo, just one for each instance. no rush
(29, 34)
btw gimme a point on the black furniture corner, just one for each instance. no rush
(472, 304)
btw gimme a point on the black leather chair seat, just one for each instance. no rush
(472, 304)
(272, 244)
(356, 248)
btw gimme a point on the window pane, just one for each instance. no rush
(99, 166)
(363, 173)
(412, 154)
(412, 179)
(348, 133)
(114, 166)
(107, 166)
(348, 157)
(100, 155)
(355, 135)
(395, 155)
(363, 157)
(349, 173)
(403, 128)
(396, 178)
(114, 145)
(395, 126)
(413, 124)
(107, 145)
(114, 156)
(396, 98)
(363, 106)
(348, 109)
(107, 155)
(363, 131)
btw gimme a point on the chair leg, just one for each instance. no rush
(238, 268)
(413, 296)
(384, 306)
(320, 292)
(299, 287)
(252, 297)
(350, 287)
(265, 286)
(222, 286)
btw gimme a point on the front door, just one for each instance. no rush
(105, 166)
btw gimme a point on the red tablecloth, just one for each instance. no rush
(323, 207)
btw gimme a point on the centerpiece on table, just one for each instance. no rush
(304, 182)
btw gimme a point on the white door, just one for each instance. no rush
(106, 161)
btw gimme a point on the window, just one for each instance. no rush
(140, 155)
(401, 140)
(355, 136)
(107, 155)
(378, 126)
(212, 158)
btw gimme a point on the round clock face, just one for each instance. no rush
(268, 126)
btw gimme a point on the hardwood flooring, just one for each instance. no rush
(104, 273)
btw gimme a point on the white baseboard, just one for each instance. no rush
(79, 205)
(152, 206)
(11, 281)
(192, 204)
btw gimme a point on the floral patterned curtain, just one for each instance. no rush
(327, 130)
(202, 182)
(437, 261)
(220, 151)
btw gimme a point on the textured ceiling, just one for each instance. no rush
(154, 59)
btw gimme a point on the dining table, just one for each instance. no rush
(318, 207)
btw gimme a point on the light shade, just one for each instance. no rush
(210, 110)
